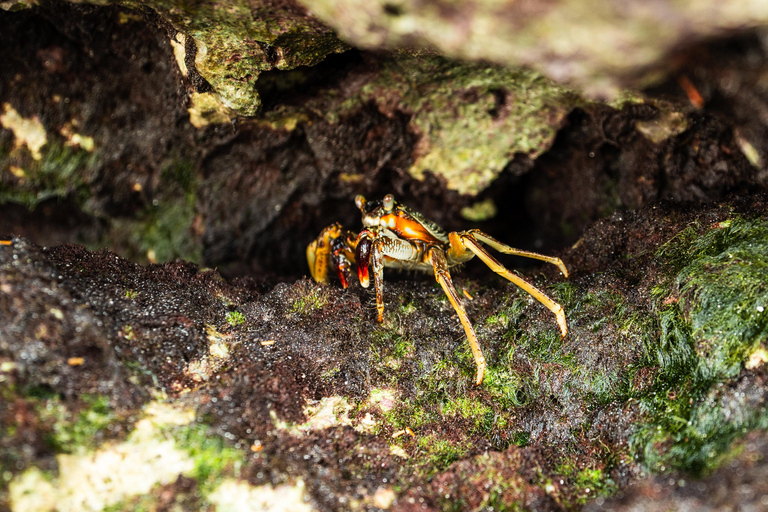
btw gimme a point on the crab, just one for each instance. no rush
(396, 236)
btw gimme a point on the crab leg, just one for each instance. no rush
(373, 249)
(444, 278)
(468, 241)
(378, 279)
(369, 253)
(504, 248)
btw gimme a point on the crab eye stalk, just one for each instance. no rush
(389, 202)
(360, 202)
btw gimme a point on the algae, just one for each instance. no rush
(214, 458)
(472, 118)
(313, 299)
(61, 171)
(165, 229)
(237, 40)
(235, 318)
(710, 323)
(81, 431)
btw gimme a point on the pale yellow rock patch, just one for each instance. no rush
(384, 497)
(90, 481)
(757, 358)
(28, 131)
(178, 43)
(236, 496)
(207, 109)
(331, 411)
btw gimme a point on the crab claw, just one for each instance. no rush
(331, 251)
(363, 256)
(342, 266)
(317, 268)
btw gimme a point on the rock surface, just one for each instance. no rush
(176, 359)
(297, 386)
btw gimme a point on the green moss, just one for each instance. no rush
(473, 118)
(521, 438)
(545, 348)
(306, 303)
(237, 41)
(435, 454)
(72, 432)
(330, 373)
(508, 315)
(235, 318)
(586, 484)
(408, 307)
(403, 347)
(710, 321)
(389, 349)
(530, 368)
(466, 407)
(213, 456)
(164, 230)
(725, 290)
(509, 388)
(62, 171)
(411, 414)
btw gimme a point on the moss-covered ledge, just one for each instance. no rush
(297, 390)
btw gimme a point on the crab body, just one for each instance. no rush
(396, 236)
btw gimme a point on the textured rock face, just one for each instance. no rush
(229, 134)
(298, 387)
(599, 47)
(117, 138)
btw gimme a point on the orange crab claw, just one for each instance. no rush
(363, 256)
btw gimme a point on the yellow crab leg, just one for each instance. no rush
(504, 248)
(468, 241)
(378, 278)
(444, 278)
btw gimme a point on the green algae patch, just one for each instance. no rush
(213, 457)
(82, 430)
(434, 454)
(236, 41)
(311, 297)
(165, 229)
(471, 118)
(466, 407)
(235, 318)
(712, 321)
(67, 427)
(588, 483)
(725, 290)
(575, 368)
(61, 170)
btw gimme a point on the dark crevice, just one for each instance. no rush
(293, 87)
(393, 10)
